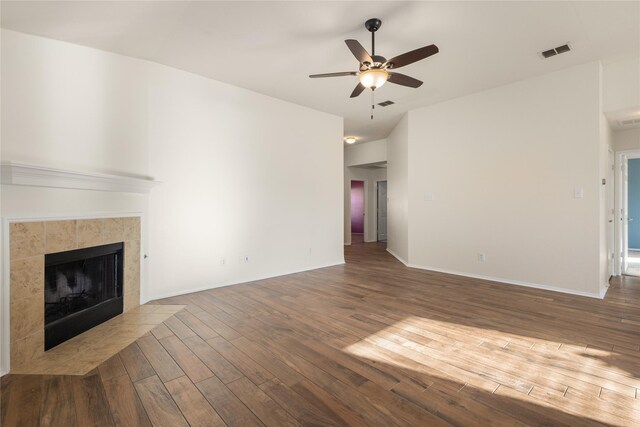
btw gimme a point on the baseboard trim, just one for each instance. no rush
(398, 257)
(599, 295)
(224, 284)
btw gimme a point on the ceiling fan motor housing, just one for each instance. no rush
(373, 24)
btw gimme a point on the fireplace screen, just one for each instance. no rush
(83, 288)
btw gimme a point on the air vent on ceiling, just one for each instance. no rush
(629, 122)
(386, 103)
(555, 51)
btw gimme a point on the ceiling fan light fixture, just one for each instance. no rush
(350, 139)
(373, 78)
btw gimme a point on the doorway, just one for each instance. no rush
(628, 209)
(357, 211)
(381, 211)
(633, 217)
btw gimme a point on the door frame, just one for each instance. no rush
(621, 161)
(610, 207)
(375, 201)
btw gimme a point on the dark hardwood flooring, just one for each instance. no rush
(368, 343)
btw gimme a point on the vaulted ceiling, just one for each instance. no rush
(272, 47)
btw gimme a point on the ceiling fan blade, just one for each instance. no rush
(358, 90)
(403, 80)
(413, 56)
(344, 73)
(358, 51)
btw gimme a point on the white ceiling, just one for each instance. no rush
(271, 47)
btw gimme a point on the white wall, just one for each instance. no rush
(628, 139)
(621, 81)
(398, 190)
(366, 153)
(243, 173)
(501, 167)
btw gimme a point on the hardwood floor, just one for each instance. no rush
(368, 343)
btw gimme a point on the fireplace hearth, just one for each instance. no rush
(76, 294)
(83, 288)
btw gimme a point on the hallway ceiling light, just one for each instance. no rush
(350, 139)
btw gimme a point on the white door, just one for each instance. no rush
(625, 213)
(610, 215)
(382, 210)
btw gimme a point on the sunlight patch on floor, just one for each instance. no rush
(485, 359)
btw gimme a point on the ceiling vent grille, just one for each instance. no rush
(555, 51)
(629, 122)
(386, 103)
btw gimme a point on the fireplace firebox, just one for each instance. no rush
(83, 288)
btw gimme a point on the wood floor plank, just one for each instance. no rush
(112, 368)
(252, 370)
(91, 405)
(126, 407)
(214, 361)
(22, 400)
(186, 359)
(268, 411)
(164, 365)
(161, 331)
(226, 404)
(136, 364)
(157, 401)
(296, 405)
(58, 403)
(196, 325)
(328, 404)
(193, 405)
(176, 326)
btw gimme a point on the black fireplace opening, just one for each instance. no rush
(82, 289)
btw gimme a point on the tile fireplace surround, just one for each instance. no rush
(28, 243)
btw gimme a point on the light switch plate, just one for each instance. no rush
(578, 193)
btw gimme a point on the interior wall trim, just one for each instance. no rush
(599, 295)
(15, 173)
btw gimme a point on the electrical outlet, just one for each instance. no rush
(223, 261)
(481, 257)
(245, 258)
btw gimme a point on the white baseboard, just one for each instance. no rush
(511, 282)
(224, 284)
(398, 257)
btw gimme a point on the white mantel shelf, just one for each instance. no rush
(14, 173)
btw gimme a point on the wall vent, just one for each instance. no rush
(555, 51)
(386, 103)
(629, 122)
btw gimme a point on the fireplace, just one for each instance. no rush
(83, 288)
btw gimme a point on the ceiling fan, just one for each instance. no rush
(374, 69)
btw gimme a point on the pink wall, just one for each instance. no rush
(357, 206)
